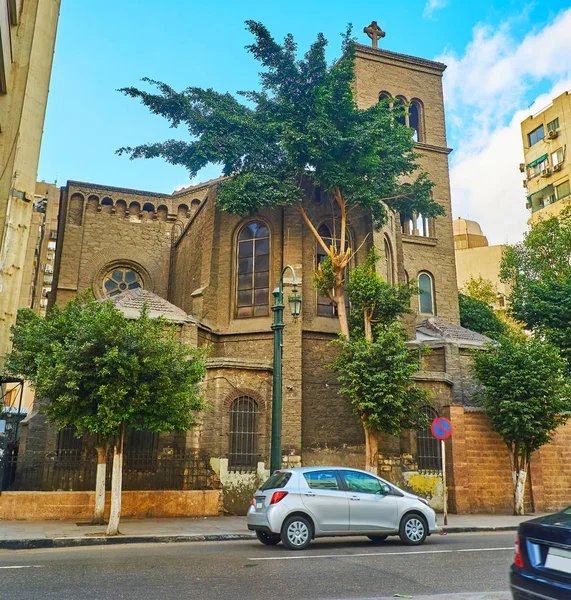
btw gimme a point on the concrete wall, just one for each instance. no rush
(136, 505)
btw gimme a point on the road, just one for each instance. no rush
(329, 569)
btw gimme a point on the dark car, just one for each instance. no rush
(542, 561)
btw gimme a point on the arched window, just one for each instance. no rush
(384, 96)
(427, 446)
(426, 297)
(415, 118)
(325, 307)
(121, 279)
(243, 453)
(253, 272)
(389, 263)
(400, 103)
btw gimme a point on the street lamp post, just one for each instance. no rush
(277, 327)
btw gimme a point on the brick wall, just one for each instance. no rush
(479, 473)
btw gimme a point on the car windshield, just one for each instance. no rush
(276, 481)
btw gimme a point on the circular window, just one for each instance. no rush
(121, 279)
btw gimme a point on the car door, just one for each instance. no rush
(371, 505)
(325, 499)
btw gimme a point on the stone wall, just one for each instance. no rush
(40, 506)
(479, 472)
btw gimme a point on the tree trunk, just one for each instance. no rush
(519, 478)
(98, 513)
(116, 484)
(342, 312)
(371, 450)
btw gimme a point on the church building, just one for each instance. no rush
(212, 273)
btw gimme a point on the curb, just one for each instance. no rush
(73, 542)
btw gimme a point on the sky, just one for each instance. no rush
(506, 60)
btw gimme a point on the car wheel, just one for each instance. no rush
(296, 533)
(413, 530)
(377, 539)
(268, 539)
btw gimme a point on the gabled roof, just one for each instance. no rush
(130, 304)
(435, 329)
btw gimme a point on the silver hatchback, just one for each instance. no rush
(296, 505)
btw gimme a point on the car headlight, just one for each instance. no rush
(424, 501)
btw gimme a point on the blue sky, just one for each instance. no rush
(503, 55)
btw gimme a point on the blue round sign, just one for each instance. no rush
(441, 428)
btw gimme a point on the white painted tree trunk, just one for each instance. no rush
(99, 512)
(519, 478)
(116, 484)
(371, 450)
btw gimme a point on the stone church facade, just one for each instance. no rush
(217, 270)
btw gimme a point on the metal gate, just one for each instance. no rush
(10, 418)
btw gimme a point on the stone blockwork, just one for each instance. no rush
(479, 473)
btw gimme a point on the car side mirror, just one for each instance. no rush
(385, 489)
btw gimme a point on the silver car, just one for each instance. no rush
(296, 505)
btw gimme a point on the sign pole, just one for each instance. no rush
(444, 488)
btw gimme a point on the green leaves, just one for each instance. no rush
(479, 316)
(376, 377)
(302, 126)
(95, 369)
(539, 272)
(526, 394)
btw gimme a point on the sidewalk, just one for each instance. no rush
(22, 535)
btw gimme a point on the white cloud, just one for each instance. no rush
(431, 6)
(485, 92)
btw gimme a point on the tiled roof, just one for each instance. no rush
(434, 327)
(131, 303)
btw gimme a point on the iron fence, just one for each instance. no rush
(76, 471)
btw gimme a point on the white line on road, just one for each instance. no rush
(23, 567)
(379, 554)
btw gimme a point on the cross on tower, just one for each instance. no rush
(375, 33)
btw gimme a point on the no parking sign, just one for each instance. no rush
(441, 428)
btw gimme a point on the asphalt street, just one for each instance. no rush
(329, 569)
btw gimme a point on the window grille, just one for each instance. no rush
(244, 416)
(68, 446)
(141, 449)
(429, 457)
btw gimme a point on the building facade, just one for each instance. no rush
(27, 38)
(215, 271)
(476, 259)
(547, 168)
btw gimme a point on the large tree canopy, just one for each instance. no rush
(539, 272)
(303, 123)
(302, 129)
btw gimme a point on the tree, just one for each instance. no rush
(478, 316)
(302, 130)
(481, 289)
(100, 372)
(525, 395)
(374, 366)
(539, 272)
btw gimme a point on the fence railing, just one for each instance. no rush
(76, 471)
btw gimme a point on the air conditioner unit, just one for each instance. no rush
(557, 167)
(552, 134)
(49, 279)
(522, 167)
(43, 302)
(546, 172)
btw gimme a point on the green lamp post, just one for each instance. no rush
(278, 325)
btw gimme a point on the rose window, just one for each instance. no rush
(121, 280)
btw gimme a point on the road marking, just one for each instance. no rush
(23, 567)
(378, 554)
